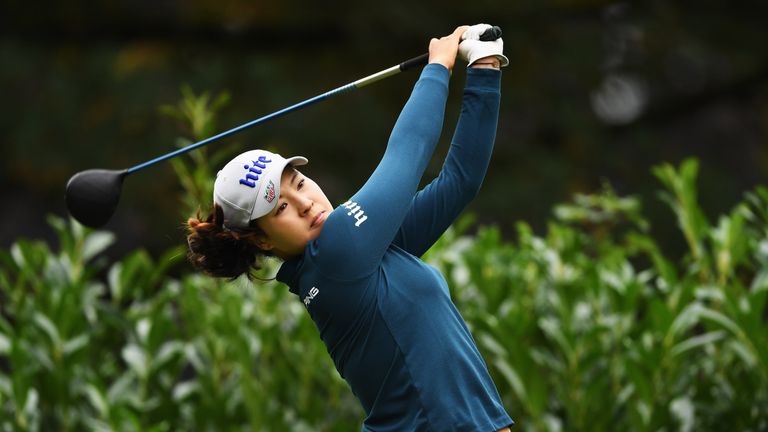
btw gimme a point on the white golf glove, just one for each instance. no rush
(472, 48)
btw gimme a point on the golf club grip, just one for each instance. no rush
(414, 62)
(490, 34)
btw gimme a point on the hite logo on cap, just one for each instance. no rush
(254, 171)
(269, 194)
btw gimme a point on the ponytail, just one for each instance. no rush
(221, 252)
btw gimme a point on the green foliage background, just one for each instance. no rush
(80, 83)
(589, 326)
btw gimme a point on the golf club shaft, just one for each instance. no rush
(490, 34)
(386, 73)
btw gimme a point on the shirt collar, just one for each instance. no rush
(288, 273)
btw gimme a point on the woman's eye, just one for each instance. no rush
(301, 183)
(281, 208)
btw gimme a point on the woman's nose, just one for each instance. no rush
(306, 206)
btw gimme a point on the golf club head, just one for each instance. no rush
(91, 196)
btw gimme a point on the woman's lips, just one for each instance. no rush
(319, 219)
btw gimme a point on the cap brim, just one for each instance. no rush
(297, 160)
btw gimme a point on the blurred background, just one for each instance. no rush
(597, 314)
(597, 91)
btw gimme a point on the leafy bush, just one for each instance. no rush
(588, 327)
(592, 327)
(142, 351)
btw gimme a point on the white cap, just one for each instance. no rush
(248, 187)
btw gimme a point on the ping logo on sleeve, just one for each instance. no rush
(254, 171)
(313, 292)
(355, 211)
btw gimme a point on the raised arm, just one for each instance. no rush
(360, 231)
(436, 206)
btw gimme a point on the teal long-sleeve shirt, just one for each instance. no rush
(385, 316)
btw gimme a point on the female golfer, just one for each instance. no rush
(385, 316)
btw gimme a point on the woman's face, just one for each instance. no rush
(297, 218)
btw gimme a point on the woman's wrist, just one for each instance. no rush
(490, 62)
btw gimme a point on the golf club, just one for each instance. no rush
(91, 196)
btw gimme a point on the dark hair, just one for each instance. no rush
(222, 252)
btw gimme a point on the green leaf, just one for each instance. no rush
(45, 324)
(5, 344)
(513, 379)
(30, 256)
(664, 267)
(683, 410)
(697, 342)
(6, 390)
(686, 319)
(96, 243)
(489, 343)
(722, 320)
(143, 327)
(75, 344)
(63, 234)
(115, 282)
(167, 351)
(730, 243)
(746, 354)
(185, 389)
(136, 359)
(122, 390)
(96, 425)
(97, 399)
(38, 355)
(683, 200)
(30, 403)
(551, 327)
